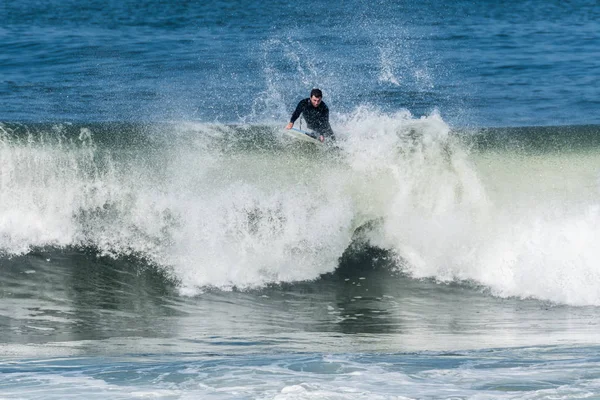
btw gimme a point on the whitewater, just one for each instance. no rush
(234, 206)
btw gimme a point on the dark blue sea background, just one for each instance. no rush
(480, 63)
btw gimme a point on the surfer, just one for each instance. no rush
(316, 113)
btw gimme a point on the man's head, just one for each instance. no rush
(315, 97)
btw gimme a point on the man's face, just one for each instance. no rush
(315, 101)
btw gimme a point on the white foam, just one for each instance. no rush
(222, 217)
(501, 375)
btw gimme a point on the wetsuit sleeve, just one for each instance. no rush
(298, 111)
(326, 124)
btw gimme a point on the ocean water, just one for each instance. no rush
(161, 236)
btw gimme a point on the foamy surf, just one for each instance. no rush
(242, 206)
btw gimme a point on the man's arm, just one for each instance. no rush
(326, 116)
(296, 114)
(326, 126)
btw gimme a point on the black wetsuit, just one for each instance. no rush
(317, 118)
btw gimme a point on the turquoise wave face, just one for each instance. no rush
(244, 206)
(191, 260)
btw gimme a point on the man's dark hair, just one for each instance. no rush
(316, 93)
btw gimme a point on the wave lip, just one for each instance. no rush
(245, 206)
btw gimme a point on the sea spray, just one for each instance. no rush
(244, 206)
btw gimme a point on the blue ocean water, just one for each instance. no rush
(505, 64)
(161, 236)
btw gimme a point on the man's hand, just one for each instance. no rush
(321, 138)
(289, 126)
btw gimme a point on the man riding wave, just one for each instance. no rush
(315, 113)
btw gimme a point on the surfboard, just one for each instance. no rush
(303, 135)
